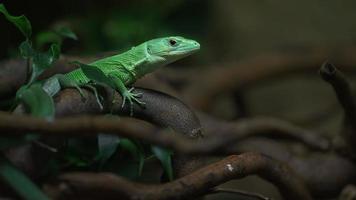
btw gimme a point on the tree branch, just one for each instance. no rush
(262, 127)
(342, 89)
(91, 125)
(341, 86)
(109, 186)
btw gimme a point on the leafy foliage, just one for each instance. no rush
(164, 156)
(135, 151)
(65, 32)
(21, 22)
(42, 61)
(57, 36)
(39, 103)
(107, 145)
(21, 184)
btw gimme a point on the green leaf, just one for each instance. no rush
(54, 36)
(26, 50)
(107, 145)
(47, 37)
(135, 151)
(66, 32)
(80, 152)
(95, 74)
(76, 160)
(43, 61)
(21, 22)
(164, 156)
(7, 141)
(19, 182)
(37, 101)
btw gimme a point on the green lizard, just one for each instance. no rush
(124, 69)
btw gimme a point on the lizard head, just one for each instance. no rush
(172, 48)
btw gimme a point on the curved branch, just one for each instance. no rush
(161, 109)
(343, 92)
(265, 127)
(196, 184)
(90, 125)
(325, 174)
(342, 89)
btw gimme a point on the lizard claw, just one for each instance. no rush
(131, 98)
(96, 94)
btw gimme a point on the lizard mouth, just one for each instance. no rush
(187, 49)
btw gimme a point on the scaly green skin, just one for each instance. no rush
(129, 66)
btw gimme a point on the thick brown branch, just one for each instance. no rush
(161, 109)
(109, 186)
(344, 95)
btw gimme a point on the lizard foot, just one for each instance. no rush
(132, 97)
(96, 94)
(80, 92)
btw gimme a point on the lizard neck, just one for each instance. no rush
(148, 63)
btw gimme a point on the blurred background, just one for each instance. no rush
(229, 31)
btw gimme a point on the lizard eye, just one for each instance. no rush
(172, 42)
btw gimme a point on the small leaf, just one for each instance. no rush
(76, 160)
(26, 50)
(135, 151)
(164, 156)
(37, 101)
(95, 74)
(47, 37)
(80, 152)
(66, 32)
(107, 145)
(43, 61)
(21, 22)
(54, 52)
(19, 182)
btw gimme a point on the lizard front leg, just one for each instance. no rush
(66, 82)
(126, 94)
